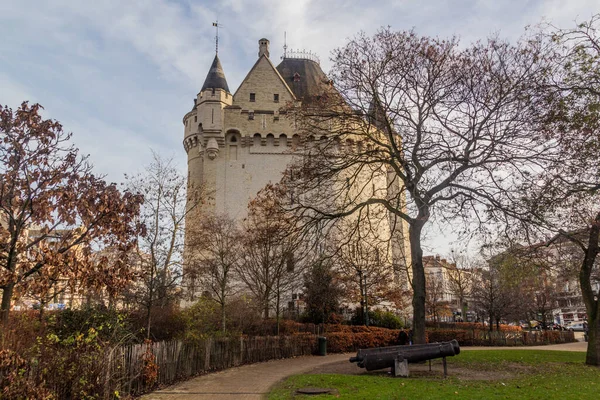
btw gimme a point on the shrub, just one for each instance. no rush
(385, 319)
(471, 325)
(21, 332)
(110, 325)
(14, 382)
(345, 340)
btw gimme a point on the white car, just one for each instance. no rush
(576, 326)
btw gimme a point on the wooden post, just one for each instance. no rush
(445, 367)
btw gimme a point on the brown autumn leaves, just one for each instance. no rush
(55, 214)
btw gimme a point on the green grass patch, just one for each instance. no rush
(485, 374)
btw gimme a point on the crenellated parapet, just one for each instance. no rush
(265, 141)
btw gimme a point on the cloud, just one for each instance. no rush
(121, 75)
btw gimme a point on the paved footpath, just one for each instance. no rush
(244, 383)
(252, 382)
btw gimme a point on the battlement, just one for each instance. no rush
(282, 140)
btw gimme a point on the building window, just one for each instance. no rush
(252, 96)
(195, 118)
(250, 114)
(213, 91)
(276, 97)
(296, 77)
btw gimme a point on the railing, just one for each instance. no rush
(302, 54)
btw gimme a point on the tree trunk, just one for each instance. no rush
(463, 310)
(277, 310)
(148, 320)
(42, 306)
(266, 310)
(418, 282)
(6, 300)
(590, 298)
(223, 317)
(593, 350)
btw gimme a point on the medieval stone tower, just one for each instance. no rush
(236, 143)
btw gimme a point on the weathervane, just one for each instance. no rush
(284, 44)
(217, 25)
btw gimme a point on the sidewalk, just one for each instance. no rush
(244, 383)
(252, 382)
(575, 346)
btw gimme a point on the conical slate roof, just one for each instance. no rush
(305, 77)
(216, 77)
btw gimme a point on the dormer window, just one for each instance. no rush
(252, 96)
(296, 77)
(276, 97)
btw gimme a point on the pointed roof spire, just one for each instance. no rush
(376, 114)
(216, 77)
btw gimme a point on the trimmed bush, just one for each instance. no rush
(367, 337)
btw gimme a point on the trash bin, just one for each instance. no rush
(322, 346)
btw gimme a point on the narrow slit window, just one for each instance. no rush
(252, 96)
(276, 97)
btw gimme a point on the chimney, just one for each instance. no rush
(263, 47)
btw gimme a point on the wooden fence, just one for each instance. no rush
(483, 337)
(128, 373)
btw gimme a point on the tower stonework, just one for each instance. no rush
(237, 143)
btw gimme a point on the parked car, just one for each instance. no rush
(576, 326)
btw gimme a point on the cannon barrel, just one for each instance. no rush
(363, 352)
(384, 359)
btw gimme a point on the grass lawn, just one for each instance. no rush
(486, 374)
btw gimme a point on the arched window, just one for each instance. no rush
(295, 141)
(270, 139)
(283, 141)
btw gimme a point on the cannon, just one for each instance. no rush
(398, 357)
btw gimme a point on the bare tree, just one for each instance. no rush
(459, 273)
(563, 197)
(159, 254)
(420, 128)
(219, 255)
(493, 297)
(434, 299)
(271, 250)
(364, 272)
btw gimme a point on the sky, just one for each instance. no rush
(121, 74)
